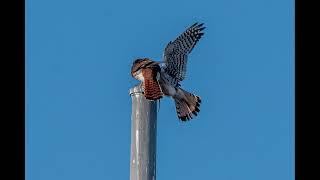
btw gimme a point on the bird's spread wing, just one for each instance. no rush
(176, 52)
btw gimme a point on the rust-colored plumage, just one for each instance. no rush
(148, 72)
(152, 90)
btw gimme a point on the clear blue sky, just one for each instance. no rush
(78, 59)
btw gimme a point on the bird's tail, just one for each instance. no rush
(186, 104)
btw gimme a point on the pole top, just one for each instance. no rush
(136, 90)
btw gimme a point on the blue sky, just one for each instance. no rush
(78, 60)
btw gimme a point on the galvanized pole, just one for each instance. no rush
(143, 136)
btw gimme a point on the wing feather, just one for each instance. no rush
(176, 52)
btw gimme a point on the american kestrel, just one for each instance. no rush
(163, 78)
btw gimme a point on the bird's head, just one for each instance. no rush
(138, 64)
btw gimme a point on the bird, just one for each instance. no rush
(163, 78)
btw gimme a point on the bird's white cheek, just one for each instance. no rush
(139, 76)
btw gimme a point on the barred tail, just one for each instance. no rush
(186, 104)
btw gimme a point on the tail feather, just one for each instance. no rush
(186, 104)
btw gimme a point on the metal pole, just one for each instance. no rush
(143, 136)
